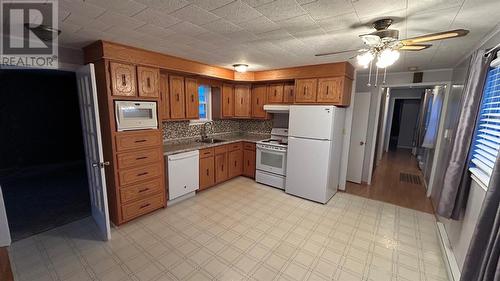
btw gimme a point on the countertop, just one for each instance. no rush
(174, 147)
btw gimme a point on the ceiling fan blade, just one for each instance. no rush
(435, 36)
(416, 47)
(336, 53)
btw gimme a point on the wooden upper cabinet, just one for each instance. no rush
(306, 90)
(242, 101)
(148, 81)
(165, 97)
(192, 100)
(227, 100)
(177, 99)
(123, 79)
(330, 89)
(288, 93)
(259, 93)
(275, 93)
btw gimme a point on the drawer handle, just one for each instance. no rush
(138, 141)
(327, 90)
(144, 206)
(142, 174)
(305, 90)
(141, 158)
(124, 80)
(144, 190)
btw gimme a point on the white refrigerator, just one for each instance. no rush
(314, 151)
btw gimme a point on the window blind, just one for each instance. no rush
(487, 136)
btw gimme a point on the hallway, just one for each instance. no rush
(387, 185)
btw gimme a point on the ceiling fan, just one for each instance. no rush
(384, 44)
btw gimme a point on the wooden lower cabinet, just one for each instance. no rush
(223, 162)
(249, 160)
(207, 172)
(221, 172)
(235, 163)
(141, 207)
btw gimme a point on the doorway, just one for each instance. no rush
(403, 145)
(42, 161)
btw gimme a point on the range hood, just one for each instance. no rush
(277, 108)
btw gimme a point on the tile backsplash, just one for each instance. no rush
(174, 130)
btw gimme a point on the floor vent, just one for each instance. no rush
(409, 178)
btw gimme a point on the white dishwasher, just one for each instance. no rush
(183, 174)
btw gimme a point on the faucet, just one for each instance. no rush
(203, 130)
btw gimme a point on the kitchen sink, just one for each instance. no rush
(210, 140)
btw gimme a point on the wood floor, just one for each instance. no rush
(387, 187)
(5, 270)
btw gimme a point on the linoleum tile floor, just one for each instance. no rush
(242, 230)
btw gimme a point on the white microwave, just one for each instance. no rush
(135, 115)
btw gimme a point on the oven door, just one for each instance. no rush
(271, 161)
(135, 115)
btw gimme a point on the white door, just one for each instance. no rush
(359, 127)
(89, 112)
(309, 121)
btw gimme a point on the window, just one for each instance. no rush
(205, 99)
(487, 136)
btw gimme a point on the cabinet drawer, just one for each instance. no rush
(220, 149)
(249, 146)
(141, 191)
(137, 158)
(144, 206)
(133, 175)
(234, 146)
(207, 152)
(131, 140)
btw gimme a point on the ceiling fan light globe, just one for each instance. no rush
(364, 59)
(387, 58)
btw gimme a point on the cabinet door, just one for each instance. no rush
(221, 171)
(288, 93)
(227, 101)
(249, 163)
(259, 93)
(329, 89)
(242, 106)
(123, 79)
(147, 78)
(235, 163)
(165, 97)
(305, 90)
(207, 172)
(275, 93)
(192, 101)
(177, 105)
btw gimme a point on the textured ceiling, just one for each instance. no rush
(274, 33)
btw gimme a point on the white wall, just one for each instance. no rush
(393, 79)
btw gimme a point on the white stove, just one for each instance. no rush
(271, 159)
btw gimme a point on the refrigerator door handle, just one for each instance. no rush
(298, 138)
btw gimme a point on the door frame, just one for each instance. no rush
(441, 129)
(5, 239)
(387, 133)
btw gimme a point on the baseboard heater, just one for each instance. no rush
(449, 258)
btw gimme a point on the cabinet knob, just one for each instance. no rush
(327, 90)
(124, 80)
(148, 82)
(207, 172)
(177, 97)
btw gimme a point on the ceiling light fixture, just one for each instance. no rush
(383, 55)
(240, 67)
